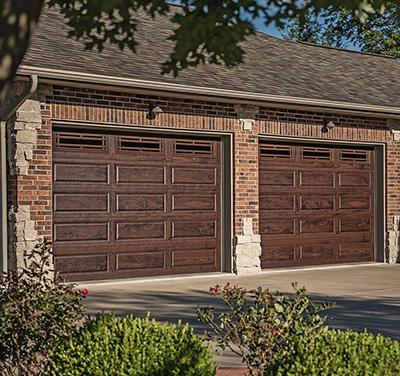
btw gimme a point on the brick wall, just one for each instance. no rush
(95, 106)
(130, 109)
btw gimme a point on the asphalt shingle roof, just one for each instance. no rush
(272, 66)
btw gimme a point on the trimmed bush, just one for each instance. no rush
(339, 353)
(108, 346)
(36, 312)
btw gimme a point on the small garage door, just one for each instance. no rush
(316, 204)
(135, 205)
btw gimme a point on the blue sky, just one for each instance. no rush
(271, 29)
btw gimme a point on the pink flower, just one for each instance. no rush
(84, 292)
(211, 315)
(276, 331)
(213, 289)
(234, 286)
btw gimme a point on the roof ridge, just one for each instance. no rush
(308, 43)
(341, 49)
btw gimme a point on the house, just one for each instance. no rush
(290, 159)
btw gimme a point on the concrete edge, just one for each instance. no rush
(221, 275)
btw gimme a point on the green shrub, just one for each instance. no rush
(36, 312)
(339, 353)
(108, 346)
(258, 327)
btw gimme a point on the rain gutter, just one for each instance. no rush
(89, 80)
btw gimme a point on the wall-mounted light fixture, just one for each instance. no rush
(154, 110)
(327, 125)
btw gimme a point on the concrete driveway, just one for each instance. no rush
(366, 296)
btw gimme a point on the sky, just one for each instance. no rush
(270, 29)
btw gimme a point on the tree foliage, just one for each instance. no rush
(379, 33)
(206, 31)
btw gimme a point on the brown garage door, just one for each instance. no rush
(135, 205)
(316, 204)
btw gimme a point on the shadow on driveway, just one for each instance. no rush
(377, 315)
(365, 296)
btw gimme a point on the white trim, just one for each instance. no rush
(52, 75)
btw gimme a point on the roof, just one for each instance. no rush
(272, 66)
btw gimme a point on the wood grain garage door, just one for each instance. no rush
(316, 204)
(135, 205)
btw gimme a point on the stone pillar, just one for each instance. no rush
(22, 141)
(392, 251)
(247, 250)
(22, 136)
(393, 242)
(22, 234)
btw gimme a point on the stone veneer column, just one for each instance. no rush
(393, 242)
(22, 140)
(247, 246)
(393, 221)
(247, 250)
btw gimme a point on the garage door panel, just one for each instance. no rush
(317, 226)
(194, 229)
(141, 230)
(317, 203)
(316, 179)
(195, 257)
(140, 175)
(82, 264)
(355, 250)
(278, 227)
(202, 176)
(316, 252)
(328, 208)
(278, 202)
(277, 178)
(77, 202)
(355, 179)
(354, 202)
(78, 232)
(141, 202)
(193, 202)
(81, 141)
(277, 254)
(355, 225)
(140, 145)
(81, 173)
(141, 261)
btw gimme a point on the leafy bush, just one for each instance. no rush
(339, 353)
(36, 312)
(259, 327)
(108, 346)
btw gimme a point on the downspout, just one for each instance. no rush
(7, 112)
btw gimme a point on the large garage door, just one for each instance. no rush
(135, 205)
(316, 204)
